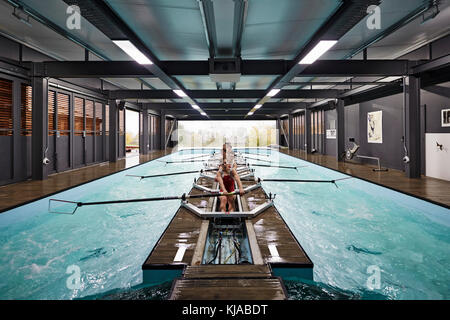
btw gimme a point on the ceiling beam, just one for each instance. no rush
(223, 94)
(181, 106)
(360, 68)
(240, 15)
(131, 69)
(207, 13)
(434, 64)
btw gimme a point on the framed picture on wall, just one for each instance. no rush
(375, 127)
(445, 118)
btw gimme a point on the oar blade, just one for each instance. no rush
(62, 206)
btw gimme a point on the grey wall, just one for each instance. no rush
(391, 150)
(434, 103)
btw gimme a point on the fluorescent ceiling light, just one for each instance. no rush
(132, 51)
(258, 106)
(389, 79)
(196, 107)
(180, 93)
(273, 92)
(322, 47)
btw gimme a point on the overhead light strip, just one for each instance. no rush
(180, 93)
(322, 47)
(132, 51)
(273, 92)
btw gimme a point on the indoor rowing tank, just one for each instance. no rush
(245, 254)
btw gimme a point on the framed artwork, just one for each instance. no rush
(375, 127)
(445, 118)
(331, 133)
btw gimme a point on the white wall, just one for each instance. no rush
(437, 161)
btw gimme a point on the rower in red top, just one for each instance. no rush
(226, 177)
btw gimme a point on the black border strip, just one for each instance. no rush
(378, 184)
(77, 185)
(178, 266)
(288, 265)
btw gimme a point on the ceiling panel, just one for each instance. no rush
(172, 29)
(391, 11)
(55, 11)
(279, 29)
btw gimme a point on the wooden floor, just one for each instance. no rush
(13, 195)
(432, 189)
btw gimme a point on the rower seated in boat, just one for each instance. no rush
(228, 155)
(226, 177)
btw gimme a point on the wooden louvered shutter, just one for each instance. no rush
(26, 123)
(89, 107)
(121, 122)
(6, 102)
(99, 118)
(51, 113)
(62, 102)
(107, 120)
(79, 116)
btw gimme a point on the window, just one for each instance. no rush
(62, 104)
(89, 108)
(26, 124)
(99, 118)
(79, 116)
(107, 120)
(51, 113)
(122, 122)
(6, 103)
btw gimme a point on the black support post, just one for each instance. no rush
(411, 91)
(18, 173)
(162, 130)
(291, 132)
(144, 142)
(340, 129)
(308, 142)
(39, 140)
(113, 131)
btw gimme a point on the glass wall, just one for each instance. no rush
(198, 134)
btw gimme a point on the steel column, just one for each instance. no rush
(340, 129)
(308, 142)
(291, 131)
(412, 125)
(113, 131)
(162, 130)
(39, 140)
(144, 138)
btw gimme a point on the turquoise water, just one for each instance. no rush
(107, 243)
(348, 232)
